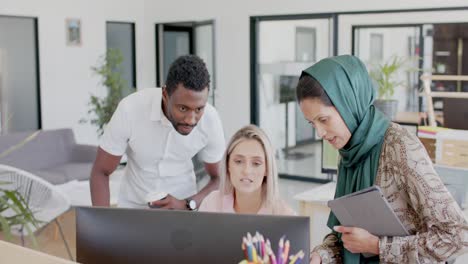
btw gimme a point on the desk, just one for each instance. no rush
(11, 253)
(313, 203)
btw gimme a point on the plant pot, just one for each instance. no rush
(388, 107)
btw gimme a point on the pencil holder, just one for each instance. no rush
(258, 250)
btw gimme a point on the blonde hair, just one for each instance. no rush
(270, 193)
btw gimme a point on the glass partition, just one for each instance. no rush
(376, 45)
(19, 75)
(285, 47)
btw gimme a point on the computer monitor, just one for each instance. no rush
(123, 236)
(456, 113)
(330, 157)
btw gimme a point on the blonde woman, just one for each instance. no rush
(249, 178)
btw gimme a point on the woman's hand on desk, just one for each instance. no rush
(358, 240)
(170, 202)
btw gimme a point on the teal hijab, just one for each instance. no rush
(347, 83)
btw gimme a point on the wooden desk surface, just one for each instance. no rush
(11, 253)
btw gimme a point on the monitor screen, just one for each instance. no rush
(287, 85)
(124, 236)
(330, 157)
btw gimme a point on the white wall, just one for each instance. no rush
(66, 79)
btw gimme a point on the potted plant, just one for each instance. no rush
(110, 70)
(384, 76)
(14, 211)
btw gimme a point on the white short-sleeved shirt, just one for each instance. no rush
(158, 157)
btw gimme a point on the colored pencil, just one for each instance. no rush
(279, 256)
(286, 251)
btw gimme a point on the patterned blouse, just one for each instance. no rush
(407, 178)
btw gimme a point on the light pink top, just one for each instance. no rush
(214, 203)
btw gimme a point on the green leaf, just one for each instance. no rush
(110, 70)
(5, 227)
(12, 199)
(384, 74)
(31, 236)
(12, 195)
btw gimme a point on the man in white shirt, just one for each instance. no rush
(160, 130)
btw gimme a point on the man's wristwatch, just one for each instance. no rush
(191, 204)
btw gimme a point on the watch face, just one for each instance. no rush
(192, 204)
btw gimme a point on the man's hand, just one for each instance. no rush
(315, 258)
(358, 240)
(170, 202)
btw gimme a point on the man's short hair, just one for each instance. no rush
(190, 71)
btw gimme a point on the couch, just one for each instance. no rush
(52, 155)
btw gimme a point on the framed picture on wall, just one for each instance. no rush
(73, 32)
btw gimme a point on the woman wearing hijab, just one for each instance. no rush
(336, 96)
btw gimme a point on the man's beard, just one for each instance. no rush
(177, 127)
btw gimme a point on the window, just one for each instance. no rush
(20, 108)
(283, 47)
(121, 36)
